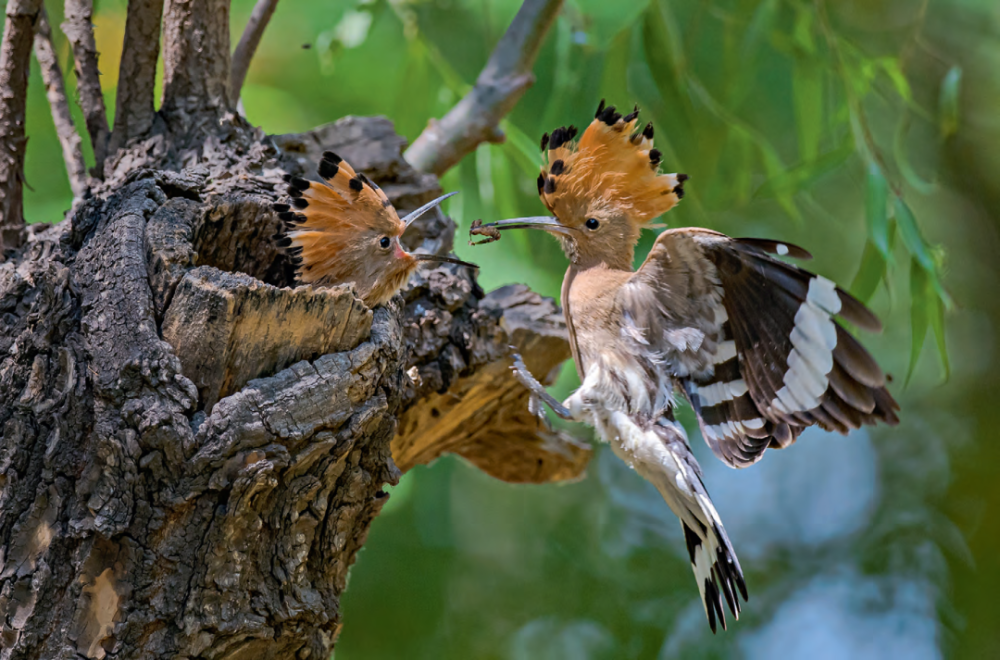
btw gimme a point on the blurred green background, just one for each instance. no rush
(867, 131)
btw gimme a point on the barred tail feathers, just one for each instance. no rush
(661, 455)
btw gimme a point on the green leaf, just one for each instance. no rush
(912, 239)
(887, 279)
(452, 79)
(869, 274)
(802, 176)
(769, 156)
(760, 25)
(606, 20)
(937, 324)
(903, 161)
(927, 309)
(938, 255)
(524, 151)
(774, 168)
(876, 197)
(919, 301)
(742, 174)
(807, 89)
(565, 71)
(665, 57)
(948, 101)
(917, 247)
(504, 183)
(614, 77)
(892, 68)
(484, 175)
(674, 42)
(802, 33)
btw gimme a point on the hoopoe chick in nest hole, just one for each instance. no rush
(749, 340)
(345, 229)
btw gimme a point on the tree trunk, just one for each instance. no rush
(15, 56)
(192, 451)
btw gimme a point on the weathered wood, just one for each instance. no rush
(134, 110)
(78, 26)
(169, 249)
(192, 451)
(15, 58)
(195, 64)
(479, 411)
(229, 328)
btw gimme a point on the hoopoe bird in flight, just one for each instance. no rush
(345, 229)
(749, 340)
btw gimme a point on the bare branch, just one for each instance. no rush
(195, 62)
(15, 60)
(134, 109)
(245, 50)
(55, 90)
(501, 84)
(79, 29)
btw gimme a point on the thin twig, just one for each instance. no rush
(55, 90)
(245, 50)
(15, 60)
(507, 76)
(79, 29)
(134, 109)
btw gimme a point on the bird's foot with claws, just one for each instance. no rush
(539, 394)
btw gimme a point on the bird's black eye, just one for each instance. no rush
(385, 243)
(593, 224)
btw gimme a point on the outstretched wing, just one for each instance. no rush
(754, 342)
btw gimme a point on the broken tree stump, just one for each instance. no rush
(193, 448)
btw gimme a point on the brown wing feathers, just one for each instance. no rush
(731, 423)
(797, 366)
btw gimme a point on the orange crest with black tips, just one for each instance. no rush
(332, 221)
(613, 167)
(344, 229)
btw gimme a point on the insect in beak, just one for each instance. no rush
(492, 230)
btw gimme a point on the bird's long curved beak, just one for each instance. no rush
(425, 208)
(420, 256)
(492, 230)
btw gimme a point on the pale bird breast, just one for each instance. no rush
(618, 380)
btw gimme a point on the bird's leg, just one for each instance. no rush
(538, 393)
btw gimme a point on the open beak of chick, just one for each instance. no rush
(420, 256)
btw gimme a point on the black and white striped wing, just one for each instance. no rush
(782, 362)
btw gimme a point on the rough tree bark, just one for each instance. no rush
(15, 58)
(193, 449)
(134, 111)
(79, 30)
